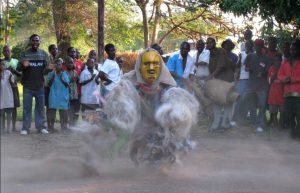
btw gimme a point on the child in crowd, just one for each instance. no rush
(59, 97)
(11, 64)
(89, 87)
(275, 98)
(74, 100)
(6, 97)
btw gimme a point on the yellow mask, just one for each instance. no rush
(150, 67)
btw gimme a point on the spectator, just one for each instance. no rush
(181, 64)
(110, 71)
(159, 49)
(258, 64)
(247, 36)
(89, 87)
(59, 95)
(201, 59)
(275, 98)
(54, 54)
(272, 47)
(74, 79)
(93, 55)
(11, 64)
(120, 62)
(78, 55)
(78, 67)
(285, 50)
(228, 46)
(220, 68)
(33, 62)
(243, 87)
(6, 97)
(289, 74)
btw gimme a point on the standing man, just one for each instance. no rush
(220, 68)
(201, 59)
(11, 64)
(247, 37)
(272, 50)
(181, 64)
(228, 46)
(79, 66)
(258, 64)
(33, 63)
(289, 74)
(109, 71)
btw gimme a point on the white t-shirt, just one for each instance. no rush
(90, 90)
(243, 73)
(243, 47)
(111, 68)
(202, 71)
(189, 66)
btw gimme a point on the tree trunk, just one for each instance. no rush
(6, 34)
(142, 5)
(101, 9)
(145, 25)
(157, 17)
(61, 26)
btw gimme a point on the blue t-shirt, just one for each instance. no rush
(59, 97)
(175, 65)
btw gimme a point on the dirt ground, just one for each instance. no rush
(236, 161)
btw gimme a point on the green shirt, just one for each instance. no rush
(12, 63)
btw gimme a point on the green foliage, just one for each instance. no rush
(17, 49)
(283, 35)
(120, 29)
(197, 23)
(284, 11)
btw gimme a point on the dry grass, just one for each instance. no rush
(129, 59)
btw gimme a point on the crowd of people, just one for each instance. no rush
(68, 85)
(266, 78)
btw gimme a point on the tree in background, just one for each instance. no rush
(185, 19)
(74, 22)
(282, 17)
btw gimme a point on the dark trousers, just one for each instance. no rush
(39, 110)
(6, 116)
(74, 110)
(63, 116)
(292, 115)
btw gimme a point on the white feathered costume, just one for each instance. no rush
(163, 105)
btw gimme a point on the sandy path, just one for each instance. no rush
(237, 161)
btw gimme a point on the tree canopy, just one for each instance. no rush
(130, 24)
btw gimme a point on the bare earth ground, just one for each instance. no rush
(237, 161)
